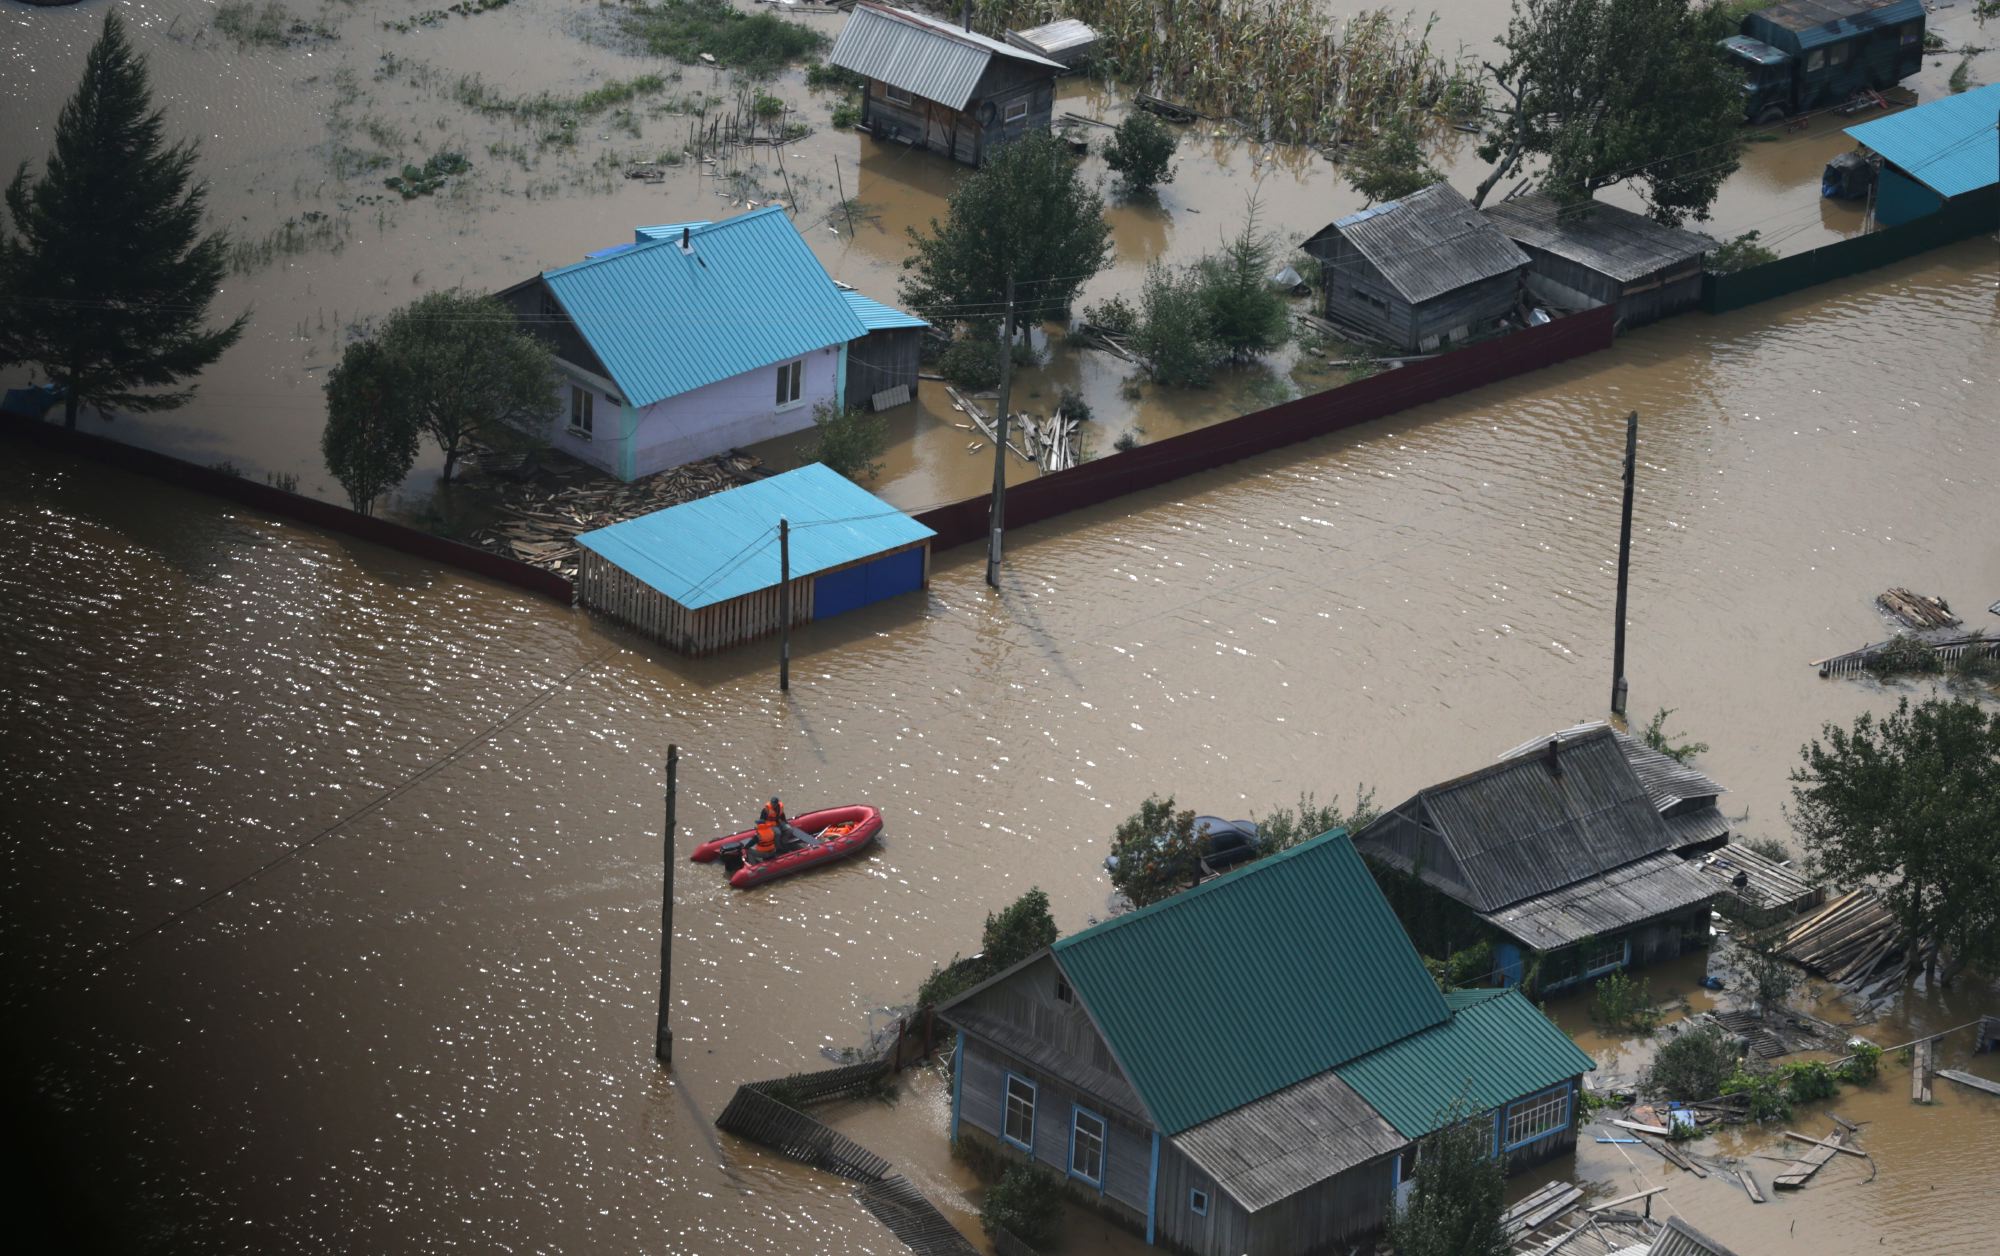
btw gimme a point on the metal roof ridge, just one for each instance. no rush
(1194, 892)
(1494, 769)
(930, 25)
(643, 245)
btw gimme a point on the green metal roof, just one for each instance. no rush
(1495, 1048)
(1251, 982)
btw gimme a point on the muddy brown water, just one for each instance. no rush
(332, 879)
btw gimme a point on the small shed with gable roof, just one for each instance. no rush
(1418, 273)
(706, 574)
(1592, 254)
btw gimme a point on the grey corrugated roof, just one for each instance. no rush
(1288, 1141)
(1606, 903)
(1430, 242)
(1668, 782)
(1517, 829)
(1679, 1238)
(1609, 240)
(1061, 35)
(919, 55)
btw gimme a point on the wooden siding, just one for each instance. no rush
(959, 134)
(1330, 1216)
(1353, 286)
(1225, 1231)
(603, 585)
(1128, 1149)
(882, 360)
(1644, 300)
(541, 317)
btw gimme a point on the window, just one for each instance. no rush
(1018, 1127)
(1535, 1117)
(1837, 55)
(1602, 956)
(789, 376)
(1815, 61)
(1015, 111)
(581, 403)
(1086, 1146)
(1371, 299)
(1063, 993)
(896, 95)
(1910, 34)
(1198, 1202)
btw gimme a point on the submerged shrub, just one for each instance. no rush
(1696, 1065)
(1027, 1203)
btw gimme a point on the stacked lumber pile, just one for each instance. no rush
(1918, 610)
(1093, 336)
(538, 519)
(1849, 940)
(1051, 441)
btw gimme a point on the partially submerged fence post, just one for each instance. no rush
(663, 1037)
(1624, 566)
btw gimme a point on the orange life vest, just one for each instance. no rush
(767, 837)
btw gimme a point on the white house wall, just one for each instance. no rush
(632, 442)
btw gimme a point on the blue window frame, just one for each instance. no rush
(1089, 1136)
(1017, 1115)
(1534, 1118)
(1198, 1202)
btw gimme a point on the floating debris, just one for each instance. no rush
(1918, 610)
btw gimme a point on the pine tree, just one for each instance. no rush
(106, 278)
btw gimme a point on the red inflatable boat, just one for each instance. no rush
(834, 833)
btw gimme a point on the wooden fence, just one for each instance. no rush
(272, 500)
(1961, 218)
(1378, 396)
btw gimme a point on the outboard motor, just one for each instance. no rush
(1848, 177)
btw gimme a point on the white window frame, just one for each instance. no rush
(1014, 111)
(897, 96)
(582, 411)
(1535, 1118)
(1606, 957)
(1008, 1098)
(1198, 1201)
(790, 391)
(1079, 1139)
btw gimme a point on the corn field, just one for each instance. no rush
(1283, 69)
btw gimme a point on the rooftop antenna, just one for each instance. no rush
(686, 246)
(968, 16)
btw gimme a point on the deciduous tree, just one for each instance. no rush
(1610, 90)
(1391, 163)
(371, 435)
(106, 276)
(1026, 212)
(1141, 151)
(471, 372)
(1455, 1196)
(1911, 804)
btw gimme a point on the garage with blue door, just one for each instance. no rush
(706, 574)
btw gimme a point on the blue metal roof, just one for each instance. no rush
(726, 545)
(876, 316)
(747, 293)
(669, 230)
(1949, 145)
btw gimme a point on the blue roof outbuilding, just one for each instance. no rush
(876, 316)
(1950, 145)
(743, 294)
(725, 545)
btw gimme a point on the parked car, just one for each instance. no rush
(1224, 843)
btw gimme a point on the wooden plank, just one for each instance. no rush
(1920, 1085)
(1643, 1129)
(1809, 1164)
(1540, 1208)
(1967, 1079)
(1626, 1199)
(1674, 1156)
(1750, 1184)
(1820, 1142)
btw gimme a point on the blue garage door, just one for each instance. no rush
(840, 591)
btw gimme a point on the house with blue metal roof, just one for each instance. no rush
(1248, 1065)
(1934, 153)
(694, 339)
(712, 572)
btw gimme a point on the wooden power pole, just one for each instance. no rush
(663, 1037)
(785, 604)
(999, 509)
(1624, 565)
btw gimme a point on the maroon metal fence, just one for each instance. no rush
(276, 501)
(1378, 396)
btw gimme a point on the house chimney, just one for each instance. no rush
(1555, 756)
(686, 247)
(968, 17)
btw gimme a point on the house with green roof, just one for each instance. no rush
(1248, 1065)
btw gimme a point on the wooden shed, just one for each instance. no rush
(948, 89)
(1065, 41)
(1418, 273)
(882, 365)
(707, 574)
(1593, 254)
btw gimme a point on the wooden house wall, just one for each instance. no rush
(1225, 1231)
(881, 360)
(1349, 281)
(959, 134)
(1331, 1216)
(528, 305)
(1128, 1149)
(605, 586)
(1465, 311)
(1646, 299)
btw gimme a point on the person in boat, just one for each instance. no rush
(775, 834)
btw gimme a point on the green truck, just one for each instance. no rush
(1801, 55)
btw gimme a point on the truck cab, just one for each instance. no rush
(1800, 55)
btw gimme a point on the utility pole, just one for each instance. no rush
(785, 604)
(663, 1037)
(1624, 566)
(999, 514)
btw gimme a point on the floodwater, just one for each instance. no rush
(331, 881)
(292, 135)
